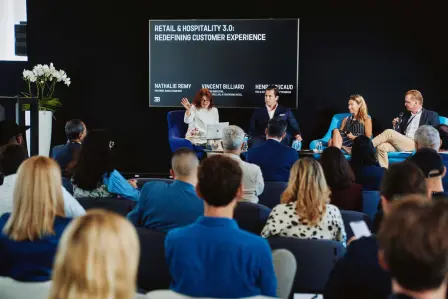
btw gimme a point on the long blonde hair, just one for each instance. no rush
(37, 200)
(363, 113)
(97, 258)
(308, 188)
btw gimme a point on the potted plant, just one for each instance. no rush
(42, 81)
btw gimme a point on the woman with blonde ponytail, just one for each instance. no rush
(358, 123)
(305, 211)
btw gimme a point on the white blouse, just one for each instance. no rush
(200, 118)
(283, 221)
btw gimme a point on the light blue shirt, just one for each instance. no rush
(117, 184)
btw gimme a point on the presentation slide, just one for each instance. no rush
(13, 30)
(235, 59)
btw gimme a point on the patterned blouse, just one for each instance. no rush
(283, 221)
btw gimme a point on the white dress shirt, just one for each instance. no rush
(253, 183)
(200, 118)
(271, 112)
(72, 208)
(413, 125)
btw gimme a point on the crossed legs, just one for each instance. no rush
(336, 139)
(391, 141)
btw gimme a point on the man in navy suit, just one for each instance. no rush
(274, 158)
(261, 117)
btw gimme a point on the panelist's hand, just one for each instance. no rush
(133, 183)
(298, 137)
(395, 121)
(351, 136)
(185, 103)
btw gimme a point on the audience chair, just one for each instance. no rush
(153, 272)
(177, 129)
(370, 201)
(120, 206)
(251, 217)
(142, 181)
(315, 261)
(271, 193)
(353, 216)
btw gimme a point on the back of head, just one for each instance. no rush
(232, 138)
(402, 179)
(308, 188)
(427, 136)
(94, 160)
(11, 156)
(74, 129)
(363, 153)
(9, 132)
(414, 245)
(184, 162)
(429, 162)
(277, 127)
(337, 171)
(443, 132)
(37, 200)
(219, 178)
(97, 257)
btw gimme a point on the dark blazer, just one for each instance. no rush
(428, 118)
(260, 119)
(274, 158)
(65, 154)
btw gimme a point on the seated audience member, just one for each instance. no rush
(345, 194)
(213, 257)
(164, 206)
(413, 248)
(11, 133)
(366, 168)
(253, 183)
(30, 234)
(274, 158)
(357, 274)
(75, 130)
(94, 175)
(443, 133)
(431, 164)
(97, 257)
(403, 139)
(427, 137)
(11, 157)
(305, 211)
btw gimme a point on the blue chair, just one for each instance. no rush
(397, 157)
(353, 216)
(370, 201)
(336, 122)
(177, 129)
(315, 260)
(120, 206)
(251, 217)
(143, 181)
(271, 193)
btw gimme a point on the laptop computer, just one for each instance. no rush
(214, 131)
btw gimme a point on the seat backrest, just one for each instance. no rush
(251, 217)
(351, 216)
(443, 120)
(176, 125)
(271, 193)
(153, 271)
(143, 181)
(315, 261)
(370, 201)
(120, 206)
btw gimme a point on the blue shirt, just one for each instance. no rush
(29, 260)
(214, 258)
(164, 206)
(117, 184)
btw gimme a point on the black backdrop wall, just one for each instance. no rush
(344, 49)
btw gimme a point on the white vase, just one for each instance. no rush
(45, 126)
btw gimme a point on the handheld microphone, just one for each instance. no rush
(400, 119)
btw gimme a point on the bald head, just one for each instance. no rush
(184, 163)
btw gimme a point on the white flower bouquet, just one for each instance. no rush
(42, 82)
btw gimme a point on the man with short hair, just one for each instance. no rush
(358, 274)
(11, 157)
(413, 248)
(272, 109)
(233, 143)
(427, 137)
(213, 257)
(274, 158)
(11, 133)
(163, 205)
(443, 132)
(403, 139)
